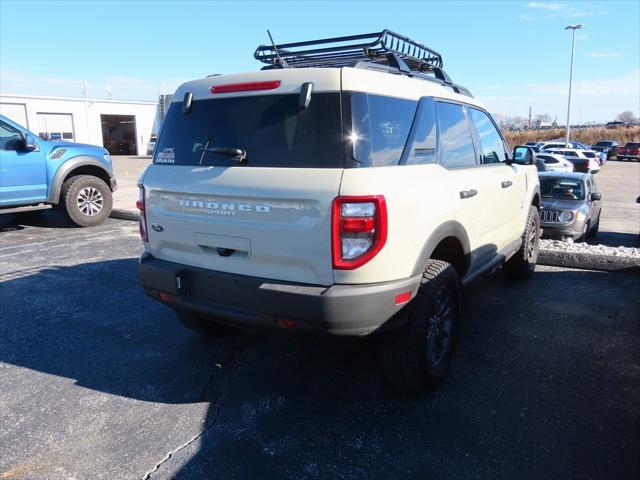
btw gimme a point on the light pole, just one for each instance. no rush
(573, 46)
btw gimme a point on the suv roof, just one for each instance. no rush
(290, 80)
(379, 58)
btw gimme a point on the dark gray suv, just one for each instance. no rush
(570, 208)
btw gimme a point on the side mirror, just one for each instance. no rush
(28, 143)
(523, 155)
(596, 196)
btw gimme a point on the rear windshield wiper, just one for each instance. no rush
(237, 154)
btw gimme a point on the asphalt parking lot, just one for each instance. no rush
(99, 382)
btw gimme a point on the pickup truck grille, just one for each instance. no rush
(549, 216)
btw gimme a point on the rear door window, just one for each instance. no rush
(456, 143)
(272, 129)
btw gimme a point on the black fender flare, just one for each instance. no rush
(449, 228)
(66, 168)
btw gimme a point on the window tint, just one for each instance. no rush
(10, 138)
(379, 128)
(456, 145)
(272, 129)
(491, 144)
(423, 144)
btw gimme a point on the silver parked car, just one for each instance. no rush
(570, 207)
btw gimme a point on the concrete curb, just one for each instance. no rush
(125, 215)
(589, 261)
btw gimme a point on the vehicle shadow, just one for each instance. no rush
(527, 377)
(536, 389)
(46, 218)
(615, 239)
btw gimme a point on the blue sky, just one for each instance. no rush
(510, 54)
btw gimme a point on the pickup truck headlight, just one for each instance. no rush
(565, 216)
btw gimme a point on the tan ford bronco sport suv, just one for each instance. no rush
(349, 187)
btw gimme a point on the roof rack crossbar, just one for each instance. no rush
(344, 50)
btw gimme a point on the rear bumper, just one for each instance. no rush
(252, 302)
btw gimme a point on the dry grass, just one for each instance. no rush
(588, 136)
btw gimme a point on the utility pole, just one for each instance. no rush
(573, 29)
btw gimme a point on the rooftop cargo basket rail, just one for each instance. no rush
(385, 50)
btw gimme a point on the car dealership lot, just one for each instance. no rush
(97, 381)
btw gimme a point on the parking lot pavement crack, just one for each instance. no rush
(211, 423)
(213, 395)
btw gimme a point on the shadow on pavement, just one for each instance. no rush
(46, 218)
(616, 239)
(544, 384)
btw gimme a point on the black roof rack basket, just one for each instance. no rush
(384, 47)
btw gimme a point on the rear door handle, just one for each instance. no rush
(468, 193)
(506, 183)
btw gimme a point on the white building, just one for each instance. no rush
(122, 127)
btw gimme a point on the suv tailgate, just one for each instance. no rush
(248, 221)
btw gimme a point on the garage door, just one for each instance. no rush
(56, 126)
(16, 112)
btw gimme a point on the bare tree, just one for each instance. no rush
(627, 117)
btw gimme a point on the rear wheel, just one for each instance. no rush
(86, 200)
(522, 265)
(418, 358)
(199, 323)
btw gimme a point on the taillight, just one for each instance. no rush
(358, 230)
(245, 87)
(143, 217)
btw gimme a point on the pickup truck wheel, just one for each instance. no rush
(200, 324)
(418, 358)
(523, 263)
(86, 200)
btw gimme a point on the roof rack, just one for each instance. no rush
(385, 50)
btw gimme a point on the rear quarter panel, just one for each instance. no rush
(417, 203)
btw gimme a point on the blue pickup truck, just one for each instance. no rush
(35, 173)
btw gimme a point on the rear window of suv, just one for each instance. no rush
(272, 129)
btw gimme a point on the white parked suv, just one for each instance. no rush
(345, 190)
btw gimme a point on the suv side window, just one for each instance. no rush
(380, 127)
(421, 147)
(10, 137)
(491, 145)
(456, 143)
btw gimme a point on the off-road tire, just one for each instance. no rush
(405, 360)
(200, 324)
(75, 189)
(523, 263)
